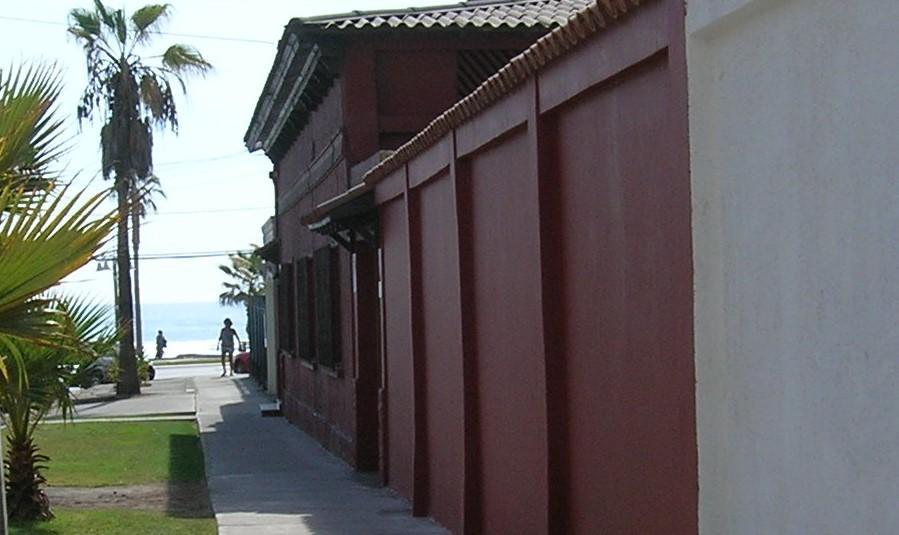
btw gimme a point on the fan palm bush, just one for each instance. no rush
(38, 381)
(244, 278)
(46, 233)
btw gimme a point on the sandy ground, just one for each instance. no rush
(188, 500)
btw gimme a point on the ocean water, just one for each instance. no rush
(189, 328)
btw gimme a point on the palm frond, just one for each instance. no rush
(85, 24)
(88, 326)
(152, 95)
(245, 274)
(113, 20)
(104, 15)
(33, 319)
(41, 246)
(149, 189)
(184, 59)
(120, 26)
(30, 134)
(148, 18)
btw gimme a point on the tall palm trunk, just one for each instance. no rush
(123, 117)
(128, 384)
(135, 242)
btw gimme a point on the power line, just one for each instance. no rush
(19, 19)
(186, 256)
(218, 38)
(214, 210)
(111, 257)
(192, 36)
(201, 160)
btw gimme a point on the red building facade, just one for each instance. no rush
(537, 290)
(512, 300)
(344, 91)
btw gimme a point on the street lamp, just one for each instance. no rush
(103, 264)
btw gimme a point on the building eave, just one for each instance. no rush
(309, 39)
(591, 20)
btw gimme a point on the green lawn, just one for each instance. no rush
(115, 522)
(121, 453)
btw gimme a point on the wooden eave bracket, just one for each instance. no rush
(349, 223)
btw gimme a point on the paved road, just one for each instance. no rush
(188, 370)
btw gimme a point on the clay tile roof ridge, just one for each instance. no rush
(464, 10)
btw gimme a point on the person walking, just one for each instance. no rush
(226, 342)
(161, 342)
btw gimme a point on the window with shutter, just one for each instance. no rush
(325, 307)
(305, 348)
(286, 308)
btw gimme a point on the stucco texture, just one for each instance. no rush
(793, 111)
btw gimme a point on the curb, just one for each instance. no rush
(156, 418)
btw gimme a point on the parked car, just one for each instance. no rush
(242, 359)
(100, 371)
(105, 370)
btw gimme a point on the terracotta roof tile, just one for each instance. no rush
(475, 13)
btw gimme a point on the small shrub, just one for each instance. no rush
(113, 371)
(143, 370)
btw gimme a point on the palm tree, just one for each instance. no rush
(143, 202)
(245, 273)
(43, 238)
(132, 97)
(37, 382)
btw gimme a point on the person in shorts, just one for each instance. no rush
(226, 342)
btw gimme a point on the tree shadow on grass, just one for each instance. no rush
(188, 496)
(185, 458)
(36, 527)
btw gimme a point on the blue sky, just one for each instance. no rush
(218, 195)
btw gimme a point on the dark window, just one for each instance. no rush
(286, 323)
(325, 307)
(305, 347)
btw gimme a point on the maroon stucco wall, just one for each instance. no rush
(441, 347)
(624, 303)
(414, 86)
(507, 343)
(391, 84)
(538, 297)
(317, 400)
(398, 343)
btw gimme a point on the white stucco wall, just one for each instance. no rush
(794, 125)
(271, 336)
(271, 333)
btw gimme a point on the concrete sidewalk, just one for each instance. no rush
(266, 477)
(165, 397)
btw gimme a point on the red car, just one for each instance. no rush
(242, 359)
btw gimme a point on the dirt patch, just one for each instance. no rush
(189, 500)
